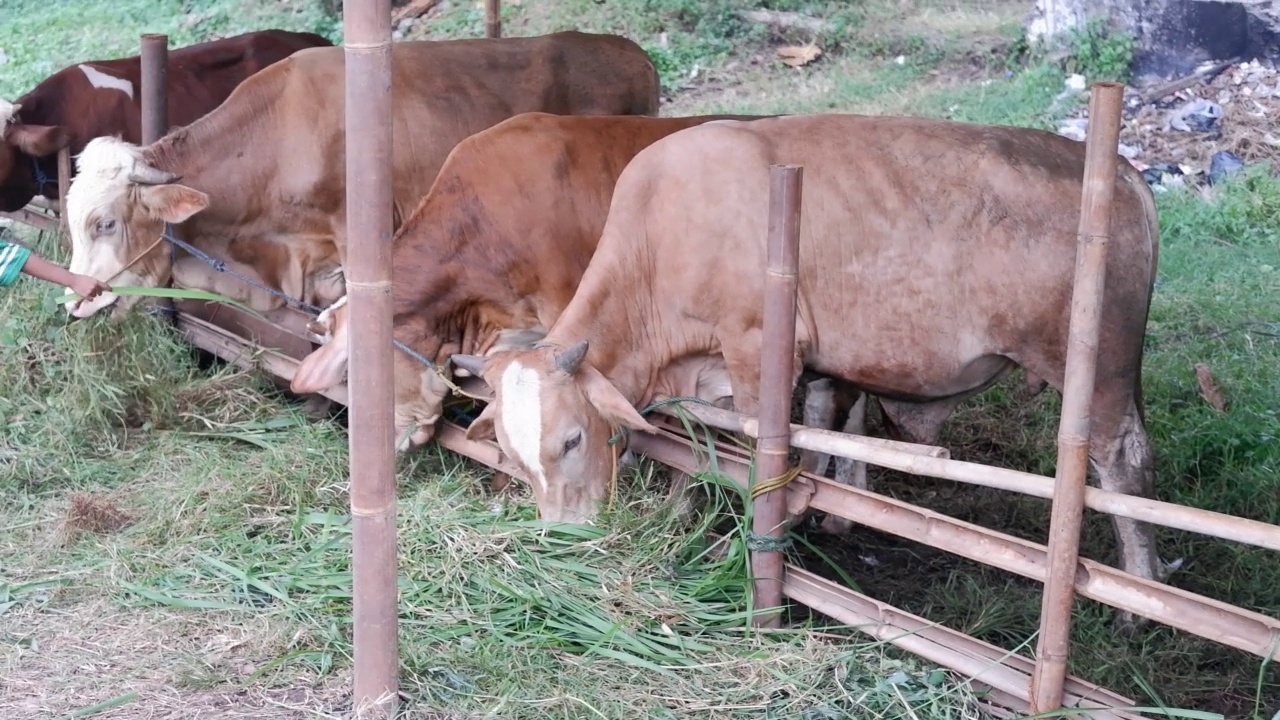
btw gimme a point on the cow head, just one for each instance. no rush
(116, 210)
(19, 144)
(554, 415)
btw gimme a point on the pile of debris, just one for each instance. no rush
(1199, 129)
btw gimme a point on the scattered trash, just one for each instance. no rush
(1199, 115)
(1198, 130)
(1075, 128)
(901, 60)
(1223, 165)
(1076, 82)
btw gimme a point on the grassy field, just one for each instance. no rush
(173, 541)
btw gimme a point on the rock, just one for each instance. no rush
(1128, 152)
(1076, 82)
(1222, 165)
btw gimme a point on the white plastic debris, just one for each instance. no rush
(1076, 82)
(1074, 128)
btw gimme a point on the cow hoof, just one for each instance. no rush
(317, 407)
(1127, 626)
(836, 525)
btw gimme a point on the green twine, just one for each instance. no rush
(768, 543)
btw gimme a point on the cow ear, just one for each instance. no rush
(172, 203)
(482, 427)
(610, 403)
(38, 140)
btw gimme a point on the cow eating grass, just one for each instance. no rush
(259, 182)
(935, 257)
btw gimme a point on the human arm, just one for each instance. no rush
(16, 258)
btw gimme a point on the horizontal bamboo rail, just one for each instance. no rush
(1184, 610)
(889, 454)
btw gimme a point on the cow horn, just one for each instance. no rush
(147, 175)
(471, 363)
(569, 360)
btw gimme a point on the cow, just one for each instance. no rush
(494, 252)
(259, 183)
(104, 97)
(935, 256)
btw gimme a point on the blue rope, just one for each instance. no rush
(41, 178)
(221, 267)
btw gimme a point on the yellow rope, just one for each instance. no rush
(777, 483)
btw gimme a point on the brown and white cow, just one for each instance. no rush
(260, 182)
(494, 253)
(935, 256)
(100, 98)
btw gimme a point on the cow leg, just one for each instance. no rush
(1120, 452)
(819, 412)
(850, 472)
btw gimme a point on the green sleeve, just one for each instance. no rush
(12, 259)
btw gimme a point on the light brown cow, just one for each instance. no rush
(262, 177)
(935, 256)
(495, 251)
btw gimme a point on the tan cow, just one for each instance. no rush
(495, 251)
(935, 256)
(260, 181)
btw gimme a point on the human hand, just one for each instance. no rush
(86, 287)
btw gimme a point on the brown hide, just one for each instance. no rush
(934, 256)
(271, 158)
(199, 78)
(499, 243)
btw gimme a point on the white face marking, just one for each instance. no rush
(522, 418)
(8, 111)
(102, 178)
(103, 81)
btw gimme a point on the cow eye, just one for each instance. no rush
(106, 226)
(572, 442)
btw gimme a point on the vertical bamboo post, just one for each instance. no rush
(64, 184)
(368, 107)
(155, 80)
(493, 18)
(777, 355)
(1093, 235)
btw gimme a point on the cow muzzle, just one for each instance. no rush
(87, 308)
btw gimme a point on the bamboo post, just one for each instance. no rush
(493, 18)
(155, 79)
(368, 108)
(1093, 234)
(777, 355)
(64, 184)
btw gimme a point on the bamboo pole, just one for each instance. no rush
(155, 94)
(64, 184)
(932, 462)
(777, 358)
(368, 107)
(1054, 644)
(493, 18)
